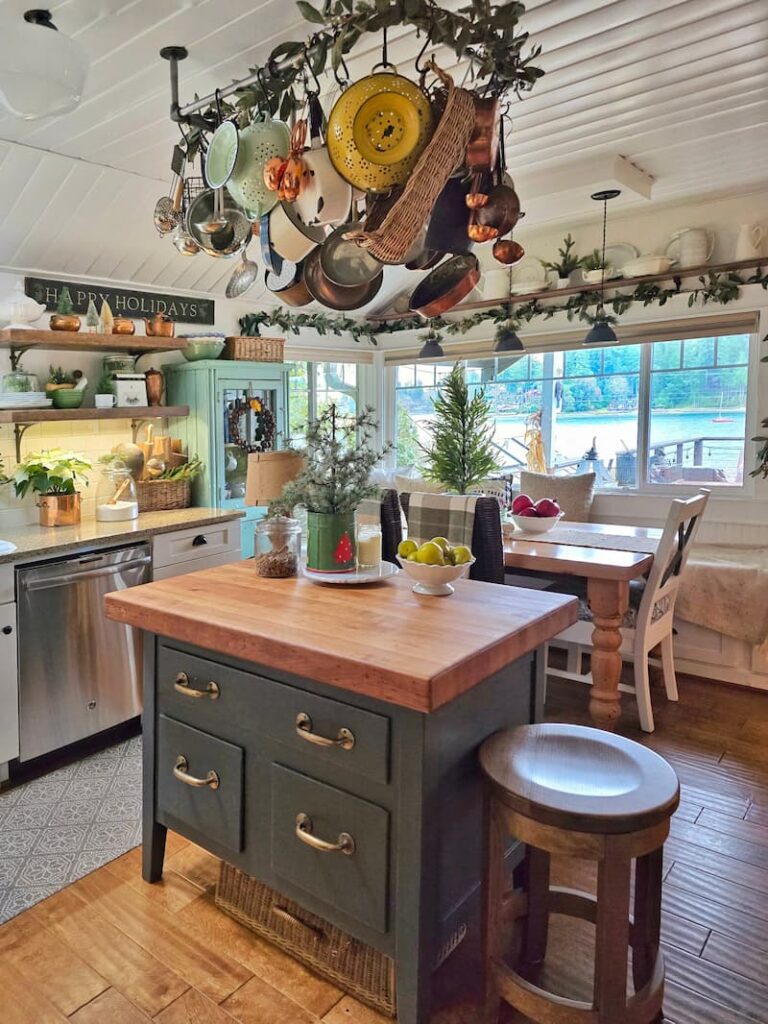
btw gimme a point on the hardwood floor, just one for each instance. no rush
(112, 950)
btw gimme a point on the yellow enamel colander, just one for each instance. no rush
(377, 130)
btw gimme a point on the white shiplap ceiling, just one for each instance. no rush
(678, 87)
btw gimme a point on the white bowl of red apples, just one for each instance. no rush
(535, 516)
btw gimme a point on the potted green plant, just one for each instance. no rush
(461, 452)
(65, 318)
(53, 474)
(105, 395)
(59, 378)
(566, 262)
(335, 479)
(593, 268)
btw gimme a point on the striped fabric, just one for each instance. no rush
(441, 515)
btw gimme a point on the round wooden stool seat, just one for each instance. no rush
(577, 778)
(569, 791)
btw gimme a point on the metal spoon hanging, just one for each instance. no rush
(243, 276)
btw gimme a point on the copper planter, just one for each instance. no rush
(64, 322)
(59, 509)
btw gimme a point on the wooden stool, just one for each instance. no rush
(577, 792)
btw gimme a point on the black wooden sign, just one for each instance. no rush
(122, 301)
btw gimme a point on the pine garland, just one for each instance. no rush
(461, 451)
(718, 288)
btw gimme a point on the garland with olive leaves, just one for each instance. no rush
(485, 32)
(720, 288)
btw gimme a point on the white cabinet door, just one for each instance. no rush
(9, 685)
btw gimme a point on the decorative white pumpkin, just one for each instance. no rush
(19, 310)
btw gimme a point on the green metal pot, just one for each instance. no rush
(331, 542)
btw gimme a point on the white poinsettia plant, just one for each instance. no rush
(52, 471)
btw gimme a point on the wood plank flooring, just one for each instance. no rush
(112, 950)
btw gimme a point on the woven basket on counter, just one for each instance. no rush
(259, 350)
(353, 966)
(159, 495)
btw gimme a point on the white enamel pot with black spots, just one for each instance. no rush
(325, 196)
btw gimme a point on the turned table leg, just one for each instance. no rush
(608, 601)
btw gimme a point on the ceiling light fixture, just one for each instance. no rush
(507, 338)
(432, 349)
(42, 71)
(601, 332)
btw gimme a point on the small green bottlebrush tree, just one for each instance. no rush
(336, 475)
(461, 451)
(64, 305)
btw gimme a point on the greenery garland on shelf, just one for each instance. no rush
(483, 31)
(719, 288)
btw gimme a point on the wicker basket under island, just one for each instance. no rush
(255, 349)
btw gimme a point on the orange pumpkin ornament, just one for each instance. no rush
(286, 177)
(274, 170)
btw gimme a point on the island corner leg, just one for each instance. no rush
(153, 833)
(608, 602)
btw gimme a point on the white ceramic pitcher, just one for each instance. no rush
(691, 247)
(749, 241)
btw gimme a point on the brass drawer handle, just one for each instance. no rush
(285, 915)
(345, 844)
(182, 685)
(180, 772)
(345, 738)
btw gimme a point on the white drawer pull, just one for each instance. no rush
(180, 772)
(182, 685)
(345, 738)
(345, 843)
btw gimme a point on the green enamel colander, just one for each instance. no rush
(260, 141)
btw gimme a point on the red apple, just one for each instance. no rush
(521, 502)
(529, 512)
(547, 508)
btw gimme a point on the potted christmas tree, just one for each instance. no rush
(335, 479)
(566, 262)
(460, 454)
(65, 318)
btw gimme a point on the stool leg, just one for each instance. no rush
(494, 885)
(612, 937)
(536, 927)
(647, 931)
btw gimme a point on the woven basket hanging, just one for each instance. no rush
(444, 152)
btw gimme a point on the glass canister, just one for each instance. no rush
(278, 546)
(116, 497)
(20, 382)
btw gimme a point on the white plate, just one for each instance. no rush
(6, 548)
(384, 571)
(44, 403)
(528, 275)
(618, 254)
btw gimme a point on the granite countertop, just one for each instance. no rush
(383, 640)
(33, 540)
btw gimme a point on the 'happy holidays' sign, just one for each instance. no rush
(122, 301)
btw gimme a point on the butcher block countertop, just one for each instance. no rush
(380, 640)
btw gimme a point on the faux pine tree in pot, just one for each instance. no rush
(335, 479)
(460, 454)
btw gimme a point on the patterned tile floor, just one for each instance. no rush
(55, 829)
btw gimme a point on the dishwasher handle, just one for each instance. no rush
(48, 583)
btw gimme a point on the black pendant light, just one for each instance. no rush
(432, 349)
(507, 339)
(601, 332)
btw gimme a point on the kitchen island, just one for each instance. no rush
(322, 739)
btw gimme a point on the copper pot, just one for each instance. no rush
(155, 386)
(334, 296)
(446, 286)
(483, 146)
(123, 325)
(502, 211)
(159, 326)
(59, 509)
(65, 322)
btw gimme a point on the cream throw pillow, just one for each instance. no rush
(416, 483)
(572, 493)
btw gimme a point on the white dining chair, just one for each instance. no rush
(648, 623)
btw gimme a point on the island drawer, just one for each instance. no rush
(234, 704)
(199, 784)
(331, 844)
(196, 542)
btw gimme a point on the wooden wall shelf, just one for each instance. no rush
(615, 284)
(143, 412)
(17, 338)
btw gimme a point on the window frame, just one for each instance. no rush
(745, 490)
(312, 386)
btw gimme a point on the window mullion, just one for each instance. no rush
(644, 415)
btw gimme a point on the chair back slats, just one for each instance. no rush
(683, 522)
(487, 543)
(391, 525)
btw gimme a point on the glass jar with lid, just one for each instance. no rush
(116, 497)
(278, 546)
(20, 382)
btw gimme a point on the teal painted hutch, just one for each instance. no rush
(221, 418)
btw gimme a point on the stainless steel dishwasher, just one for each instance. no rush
(79, 672)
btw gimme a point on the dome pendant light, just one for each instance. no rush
(432, 349)
(42, 71)
(507, 338)
(601, 332)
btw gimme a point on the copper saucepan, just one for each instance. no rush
(324, 291)
(483, 145)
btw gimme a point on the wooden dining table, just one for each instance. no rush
(607, 571)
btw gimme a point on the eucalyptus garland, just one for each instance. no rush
(484, 32)
(718, 288)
